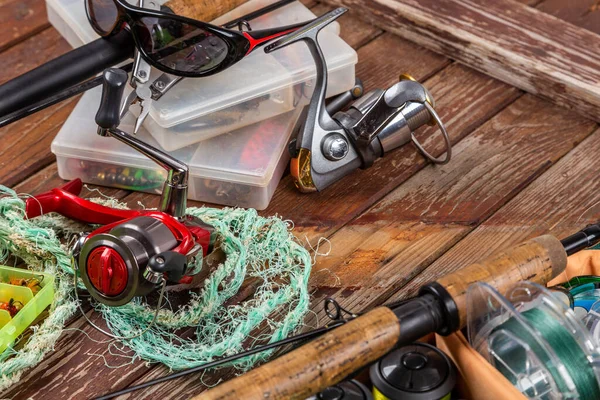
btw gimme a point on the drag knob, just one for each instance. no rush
(107, 271)
(114, 81)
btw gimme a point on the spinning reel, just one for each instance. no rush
(134, 251)
(328, 148)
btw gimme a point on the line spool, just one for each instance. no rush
(347, 390)
(535, 340)
(415, 372)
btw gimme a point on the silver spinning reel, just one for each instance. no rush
(328, 148)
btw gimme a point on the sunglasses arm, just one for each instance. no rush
(261, 37)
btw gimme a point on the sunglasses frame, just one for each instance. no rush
(239, 44)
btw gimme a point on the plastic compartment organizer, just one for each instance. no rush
(241, 169)
(33, 304)
(259, 87)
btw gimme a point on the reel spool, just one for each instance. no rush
(112, 264)
(592, 322)
(347, 390)
(415, 372)
(130, 258)
(535, 341)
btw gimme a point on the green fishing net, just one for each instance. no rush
(257, 249)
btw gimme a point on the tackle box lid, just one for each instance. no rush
(255, 76)
(249, 155)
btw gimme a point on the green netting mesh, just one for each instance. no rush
(257, 248)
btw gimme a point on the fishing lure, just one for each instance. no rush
(13, 306)
(34, 284)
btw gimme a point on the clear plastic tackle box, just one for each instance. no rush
(241, 168)
(257, 88)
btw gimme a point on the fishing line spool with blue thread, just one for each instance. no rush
(535, 341)
(592, 322)
(579, 293)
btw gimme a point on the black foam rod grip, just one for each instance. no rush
(65, 71)
(114, 81)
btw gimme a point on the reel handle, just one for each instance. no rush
(114, 81)
(340, 352)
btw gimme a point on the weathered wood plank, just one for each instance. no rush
(583, 13)
(20, 19)
(504, 39)
(562, 201)
(26, 147)
(32, 52)
(401, 235)
(354, 31)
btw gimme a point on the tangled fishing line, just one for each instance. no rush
(256, 248)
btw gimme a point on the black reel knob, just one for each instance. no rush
(169, 262)
(114, 81)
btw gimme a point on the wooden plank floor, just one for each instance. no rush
(521, 167)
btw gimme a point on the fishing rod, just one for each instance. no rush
(333, 310)
(44, 86)
(440, 307)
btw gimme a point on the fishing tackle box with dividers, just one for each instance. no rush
(241, 168)
(257, 88)
(33, 303)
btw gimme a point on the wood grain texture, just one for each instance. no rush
(27, 142)
(318, 364)
(583, 13)
(31, 53)
(206, 10)
(504, 39)
(21, 19)
(561, 202)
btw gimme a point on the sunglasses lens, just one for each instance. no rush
(179, 46)
(103, 15)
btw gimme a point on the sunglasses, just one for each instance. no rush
(179, 45)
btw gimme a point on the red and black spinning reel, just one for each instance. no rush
(134, 251)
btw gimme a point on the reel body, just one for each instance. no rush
(133, 251)
(328, 148)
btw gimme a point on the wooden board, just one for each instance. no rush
(561, 202)
(504, 39)
(386, 225)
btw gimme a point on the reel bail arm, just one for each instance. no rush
(327, 147)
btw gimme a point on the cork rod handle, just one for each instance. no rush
(203, 10)
(318, 364)
(537, 260)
